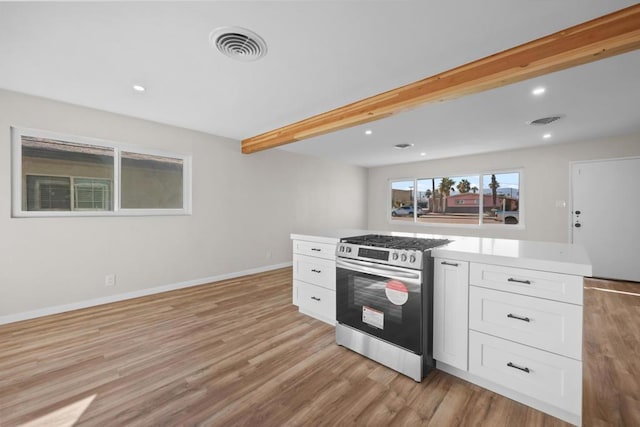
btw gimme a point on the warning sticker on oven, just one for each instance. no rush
(396, 292)
(372, 317)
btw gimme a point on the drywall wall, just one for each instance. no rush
(546, 180)
(244, 208)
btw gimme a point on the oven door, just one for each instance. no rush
(381, 300)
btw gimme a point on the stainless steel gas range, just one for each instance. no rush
(384, 300)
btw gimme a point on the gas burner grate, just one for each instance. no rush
(395, 242)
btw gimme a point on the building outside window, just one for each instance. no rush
(475, 199)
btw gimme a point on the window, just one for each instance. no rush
(53, 193)
(476, 199)
(92, 194)
(402, 200)
(48, 193)
(151, 182)
(502, 197)
(55, 175)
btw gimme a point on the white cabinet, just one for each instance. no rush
(548, 325)
(543, 284)
(314, 279)
(450, 312)
(315, 249)
(319, 271)
(317, 302)
(545, 376)
(526, 335)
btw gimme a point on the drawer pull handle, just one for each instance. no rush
(315, 298)
(511, 365)
(513, 316)
(316, 250)
(453, 264)
(316, 271)
(526, 282)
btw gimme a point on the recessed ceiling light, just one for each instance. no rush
(368, 132)
(402, 146)
(538, 91)
(546, 136)
(423, 154)
(139, 88)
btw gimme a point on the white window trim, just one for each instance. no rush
(16, 177)
(480, 225)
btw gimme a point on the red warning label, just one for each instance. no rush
(396, 292)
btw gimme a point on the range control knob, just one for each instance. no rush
(348, 249)
(394, 256)
(412, 258)
(403, 258)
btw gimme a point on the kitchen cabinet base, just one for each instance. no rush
(569, 417)
(317, 315)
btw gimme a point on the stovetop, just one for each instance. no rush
(395, 242)
(399, 251)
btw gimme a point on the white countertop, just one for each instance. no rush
(546, 256)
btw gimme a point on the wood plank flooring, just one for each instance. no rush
(238, 353)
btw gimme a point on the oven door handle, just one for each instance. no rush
(390, 272)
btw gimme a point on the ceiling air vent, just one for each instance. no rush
(402, 146)
(544, 120)
(238, 43)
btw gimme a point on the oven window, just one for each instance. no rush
(389, 309)
(371, 293)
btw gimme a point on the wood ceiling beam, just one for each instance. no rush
(606, 36)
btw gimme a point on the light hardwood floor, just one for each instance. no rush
(238, 353)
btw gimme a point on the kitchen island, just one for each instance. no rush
(507, 313)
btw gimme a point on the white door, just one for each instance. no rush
(606, 216)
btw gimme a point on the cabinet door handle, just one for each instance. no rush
(511, 365)
(316, 271)
(513, 316)
(315, 298)
(526, 282)
(316, 250)
(452, 264)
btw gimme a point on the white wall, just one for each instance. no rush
(244, 207)
(546, 180)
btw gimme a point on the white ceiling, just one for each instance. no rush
(322, 55)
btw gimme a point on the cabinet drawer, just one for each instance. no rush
(317, 302)
(555, 286)
(321, 250)
(547, 377)
(317, 271)
(548, 325)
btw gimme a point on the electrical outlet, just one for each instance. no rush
(110, 280)
(268, 255)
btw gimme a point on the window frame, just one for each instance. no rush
(481, 223)
(16, 177)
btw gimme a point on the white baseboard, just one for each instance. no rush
(135, 294)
